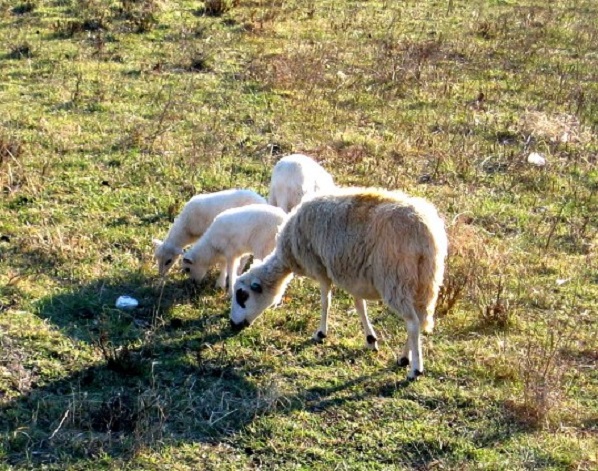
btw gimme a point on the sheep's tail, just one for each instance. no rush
(431, 273)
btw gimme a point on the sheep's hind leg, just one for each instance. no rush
(371, 341)
(413, 346)
(404, 360)
(326, 294)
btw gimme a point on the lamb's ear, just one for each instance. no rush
(256, 286)
(157, 243)
(187, 261)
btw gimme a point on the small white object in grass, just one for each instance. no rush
(562, 281)
(536, 159)
(126, 302)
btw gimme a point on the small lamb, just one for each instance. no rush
(234, 233)
(195, 218)
(296, 177)
(373, 243)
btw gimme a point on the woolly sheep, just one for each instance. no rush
(296, 177)
(234, 233)
(373, 243)
(195, 218)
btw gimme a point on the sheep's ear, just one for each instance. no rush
(157, 243)
(187, 261)
(256, 286)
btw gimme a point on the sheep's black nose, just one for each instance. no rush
(240, 326)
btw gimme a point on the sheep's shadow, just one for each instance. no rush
(149, 390)
(82, 311)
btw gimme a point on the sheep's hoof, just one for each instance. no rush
(413, 376)
(319, 336)
(403, 362)
(372, 343)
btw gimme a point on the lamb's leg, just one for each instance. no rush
(326, 293)
(371, 341)
(232, 266)
(221, 281)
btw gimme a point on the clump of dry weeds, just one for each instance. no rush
(218, 7)
(474, 274)
(542, 372)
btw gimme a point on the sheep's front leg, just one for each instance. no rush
(326, 293)
(371, 342)
(232, 266)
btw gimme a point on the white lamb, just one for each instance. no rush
(234, 233)
(296, 177)
(373, 243)
(195, 218)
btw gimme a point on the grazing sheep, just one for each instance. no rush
(295, 177)
(195, 218)
(373, 243)
(235, 232)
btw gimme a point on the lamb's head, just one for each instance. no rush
(252, 295)
(165, 255)
(196, 268)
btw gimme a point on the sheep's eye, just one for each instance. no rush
(168, 262)
(187, 270)
(241, 296)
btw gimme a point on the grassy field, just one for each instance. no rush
(113, 113)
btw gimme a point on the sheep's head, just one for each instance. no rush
(250, 298)
(196, 269)
(165, 255)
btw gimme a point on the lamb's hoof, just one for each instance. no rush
(319, 336)
(413, 376)
(372, 343)
(403, 362)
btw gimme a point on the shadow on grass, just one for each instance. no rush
(164, 380)
(150, 383)
(83, 311)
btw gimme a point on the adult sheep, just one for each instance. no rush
(194, 219)
(236, 232)
(373, 243)
(296, 177)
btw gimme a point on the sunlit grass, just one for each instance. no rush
(114, 113)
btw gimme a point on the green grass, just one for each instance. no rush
(113, 113)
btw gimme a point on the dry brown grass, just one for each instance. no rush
(561, 128)
(464, 265)
(542, 372)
